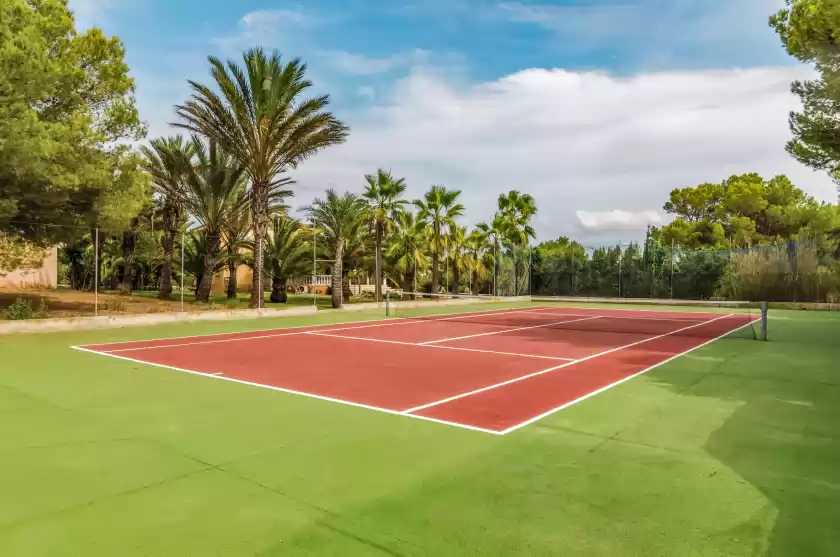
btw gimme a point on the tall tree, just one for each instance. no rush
(741, 210)
(234, 239)
(260, 117)
(168, 160)
(457, 246)
(477, 245)
(339, 217)
(495, 232)
(407, 250)
(211, 194)
(383, 196)
(810, 31)
(288, 252)
(517, 209)
(67, 116)
(438, 209)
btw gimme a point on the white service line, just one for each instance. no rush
(542, 325)
(663, 308)
(320, 334)
(289, 391)
(636, 318)
(619, 382)
(363, 325)
(555, 368)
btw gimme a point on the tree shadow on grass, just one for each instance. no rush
(784, 438)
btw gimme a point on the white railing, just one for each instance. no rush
(325, 280)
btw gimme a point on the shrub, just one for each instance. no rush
(22, 309)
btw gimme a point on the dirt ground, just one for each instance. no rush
(73, 303)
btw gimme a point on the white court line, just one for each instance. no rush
(639, 318)
(289, 391)
(555, 368)
(430, 342)
(619, 382)
(539, 301)
(320, 334)
(361, 325)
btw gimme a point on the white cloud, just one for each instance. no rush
(618, 220)
(366, 91)
(576, 141)
(269, 28)
(358, 64)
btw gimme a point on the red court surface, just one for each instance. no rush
(493, 371)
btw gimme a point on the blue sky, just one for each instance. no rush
(598, 108)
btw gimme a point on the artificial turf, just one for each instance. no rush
(732, 450)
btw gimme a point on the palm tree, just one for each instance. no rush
(406, 247)
(195, 249)
(457, 245)
(477, 246)
(438, 210)
(339, 217)
(167, 161)
(288, 253)
(516, 211)
(495, 233)
(235, 238)
(212, 193)
(129, 248)
(264, 123)
(382, 194)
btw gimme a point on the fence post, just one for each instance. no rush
(763, 320)
(495, 268)
(182, 271)
(619, 270)
(673, 245)
(96, 273)
(314, 265)
(530, 272)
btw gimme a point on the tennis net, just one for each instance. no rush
(707, 319)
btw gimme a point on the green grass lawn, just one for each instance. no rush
(732, 450)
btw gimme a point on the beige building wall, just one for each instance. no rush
(244, 275)
(45, 276)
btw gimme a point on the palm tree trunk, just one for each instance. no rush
(408, 281)
(278, 290)
(232, 285)
(436, 263)
(211, 255)
(456, 277)
(129, 242)
(259, 214)
(170, 218)
(378, 288)
(337, 275)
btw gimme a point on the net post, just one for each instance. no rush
(387, 304)
(96, 273)
(763, 306)
(182, 271)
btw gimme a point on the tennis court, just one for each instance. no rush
(490, 369)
